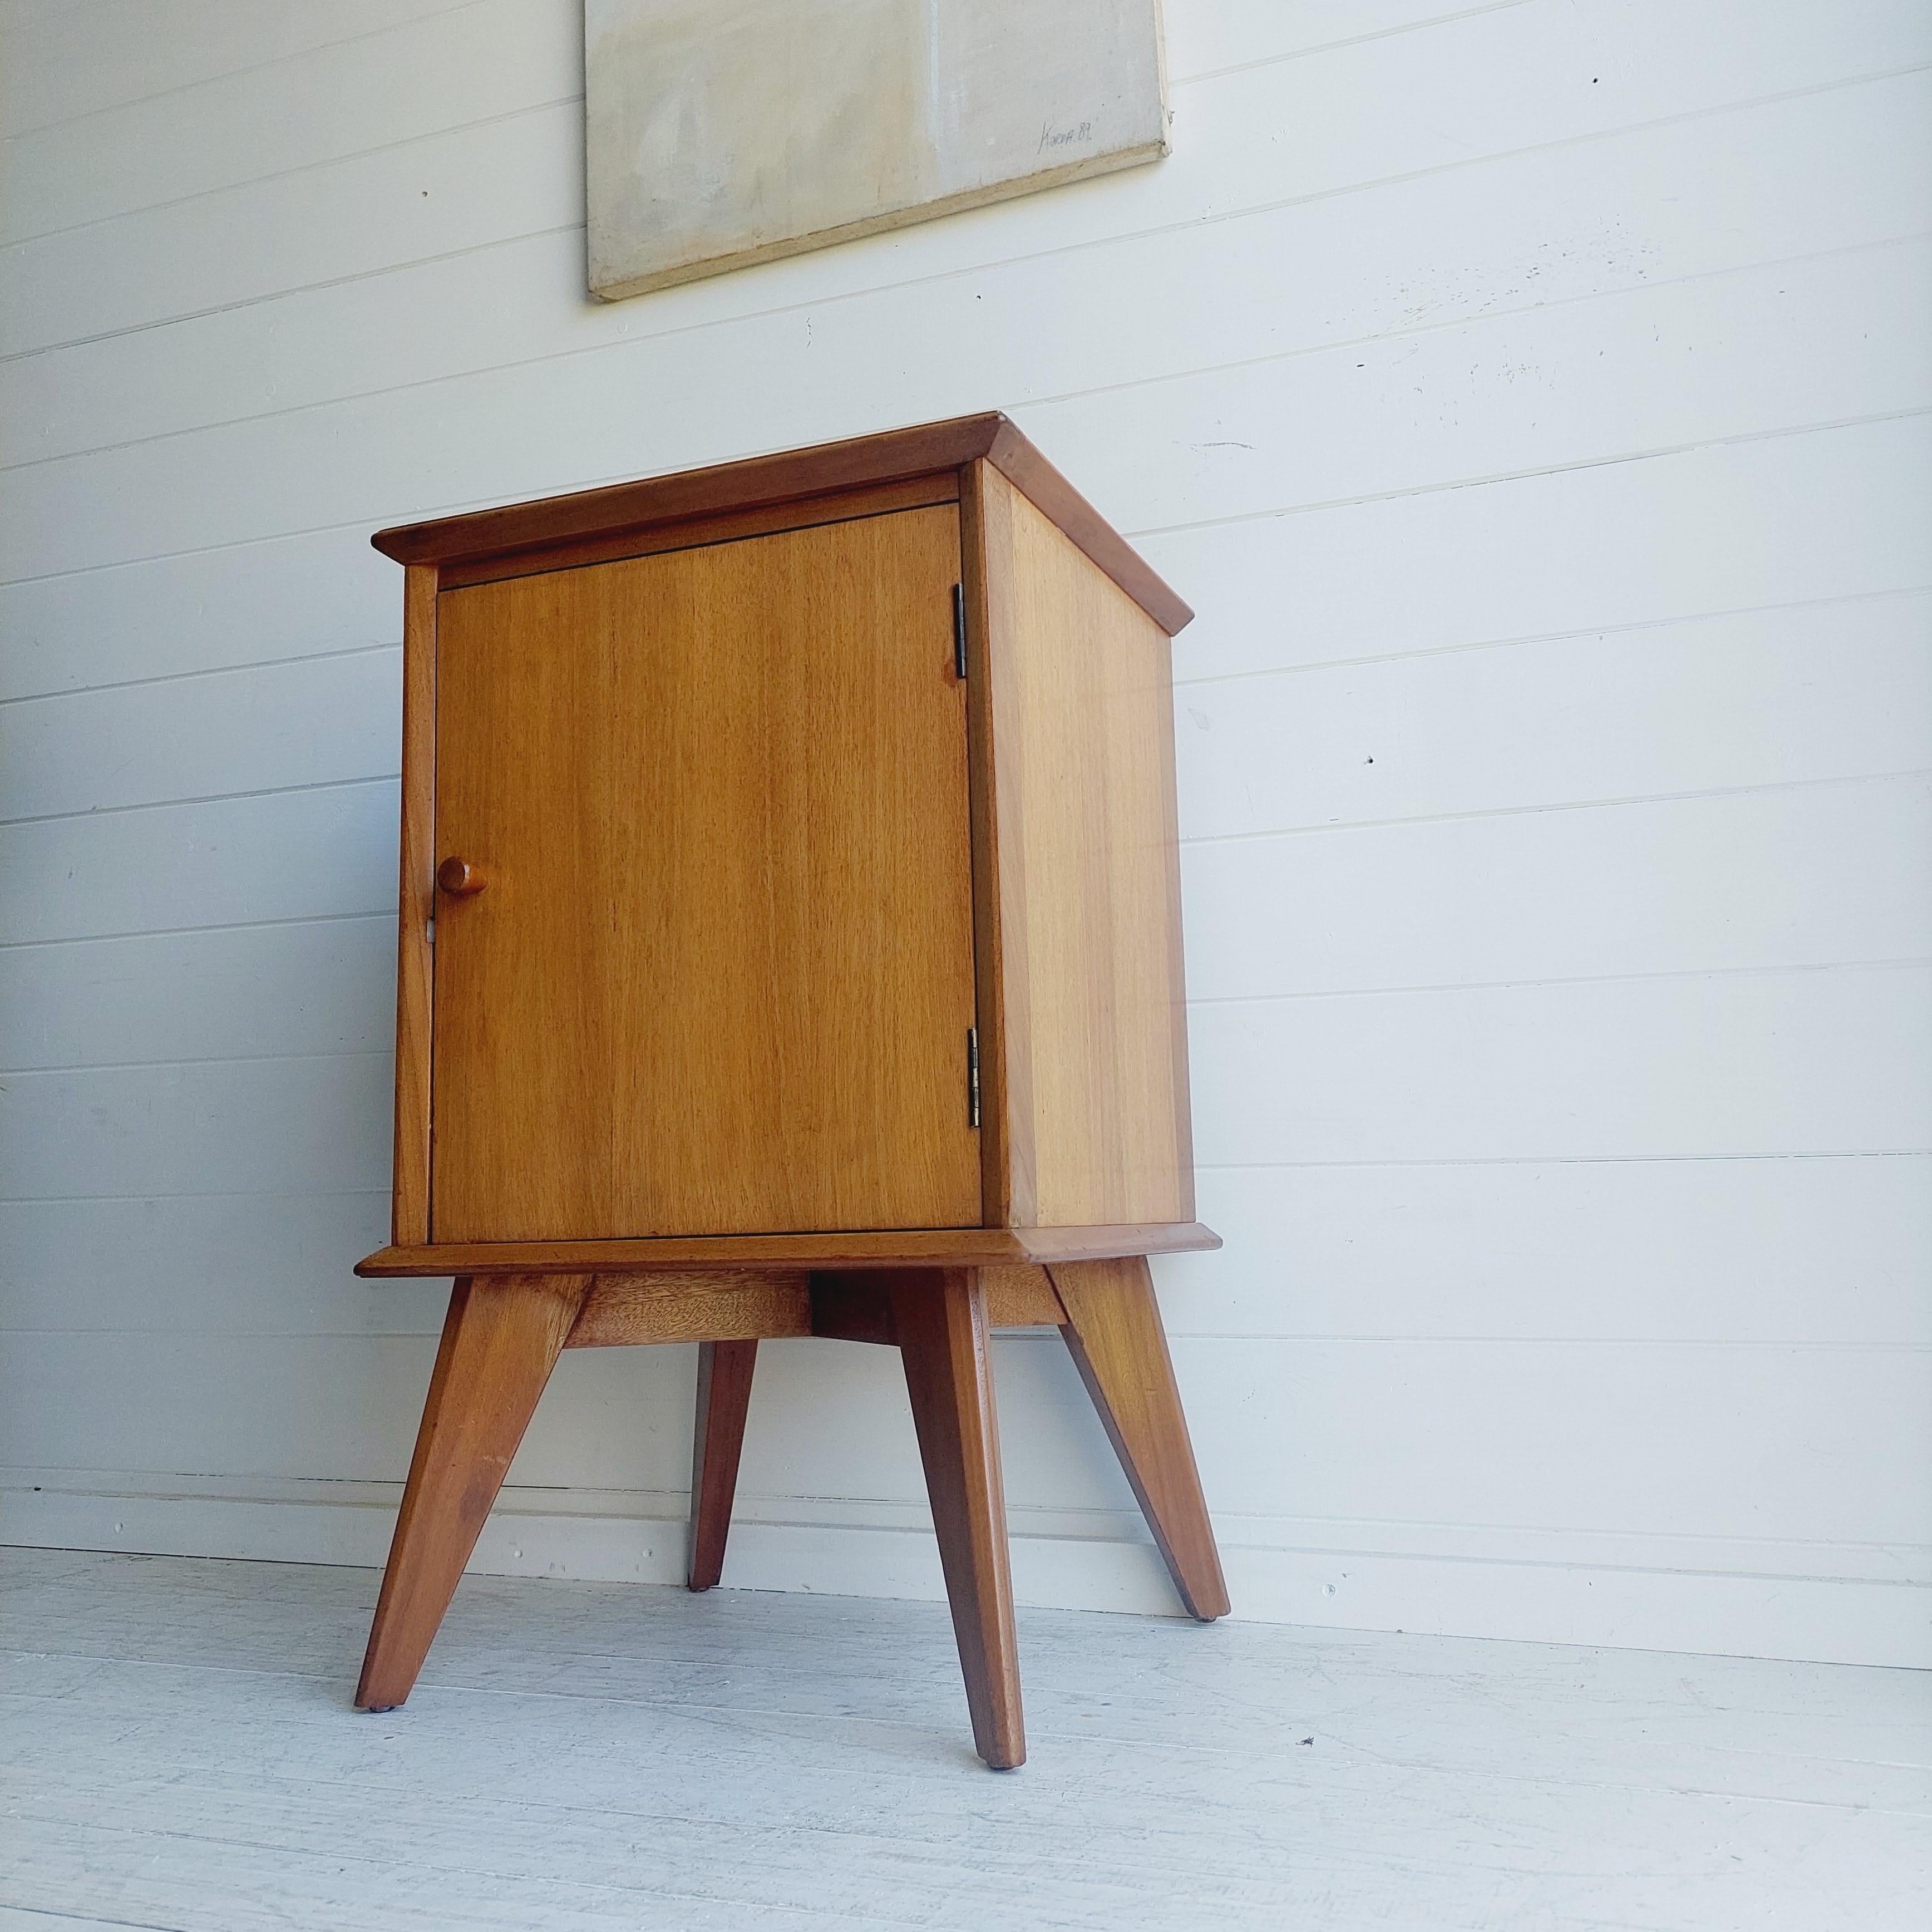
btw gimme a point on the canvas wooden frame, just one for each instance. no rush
(720, 133)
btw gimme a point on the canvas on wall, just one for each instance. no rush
(721, 133)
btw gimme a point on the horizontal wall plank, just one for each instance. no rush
(1795, 519)
(1245, 138)
(449, 67)
(322, 854)
(395, 79)
(1362, 1431)
(1340, 1578)
(1729, 702)
(1814, 875)
(1657, 370)
(1815, 1251)
(210, 1264)
(1746, 1063)
(1830, 513)
(1679, 1596)
(1609, 1439)
(1205, 38)
(524, 1507)
(88, 56)
(1764, 349)
(238, 1126)
(207, 610)
(340, 1404)
(469, 188)
(1770, 1064)
(313, 721)
(1790, 177)
(234, 992)
(1423, 1431)
(1834, 691)
(1236, 33)
(1826, 1445)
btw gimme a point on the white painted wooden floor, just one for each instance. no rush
(178, 1751)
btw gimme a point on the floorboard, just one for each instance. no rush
(177, 1751)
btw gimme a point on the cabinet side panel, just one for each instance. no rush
(416, 903)
(1089, 708)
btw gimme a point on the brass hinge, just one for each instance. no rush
(959, 632)
(972, 1075)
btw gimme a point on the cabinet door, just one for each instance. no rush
(719, 976)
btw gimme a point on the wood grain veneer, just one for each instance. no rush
(415, 966)
(692, 1305)
(1094, 1014)
(958, 1247)
(1113, 1329)
(1005, 1186)
(1022, 1298)
(724, 1371)
(754, 482)
(720, 796)
(855, 1304)
(500, 1340)
(733, 802)
(940, 1322)
(835, 506)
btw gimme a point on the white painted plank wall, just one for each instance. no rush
(1532, 397)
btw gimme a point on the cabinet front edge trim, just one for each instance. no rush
(942, 1247)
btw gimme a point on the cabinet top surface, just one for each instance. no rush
(760, 481)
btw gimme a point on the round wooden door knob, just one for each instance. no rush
(459, 877)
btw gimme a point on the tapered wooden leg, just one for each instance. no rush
(939, 1319)
(724, 1398)
(500, 1341)
(1114, 1329)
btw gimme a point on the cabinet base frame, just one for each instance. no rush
(504, 1333)
(897, 1247)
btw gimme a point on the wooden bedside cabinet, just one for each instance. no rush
(790, 945)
